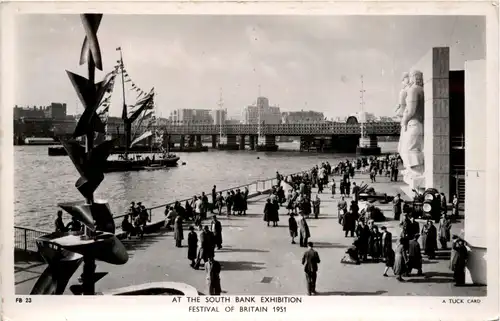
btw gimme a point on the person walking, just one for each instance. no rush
(455, 206)
(304, 233)
(316, 206)
(213, 269)
(178, 232)
(206, 247)
(429, 239)
(400, 260)
(396, 206)
(444, 228)
(414, 256)
(459, 262)
(192, 245)
(387, 251)
(216, 228)
(214, 198)
(310, 260)
(292, 227)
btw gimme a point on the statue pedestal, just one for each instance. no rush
(413, 183)
(476, 272)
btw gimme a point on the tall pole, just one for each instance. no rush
(362, 103)
(221, 104)
(126, 122)
(259, 129)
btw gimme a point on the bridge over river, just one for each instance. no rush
(334, 136)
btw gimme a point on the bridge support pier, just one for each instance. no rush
(191, 141)
(368, 146)
(268, 145)
(182, 142)
(252, 140)
(198, 141)
(242, 142)
(228, 142)
(214, 141)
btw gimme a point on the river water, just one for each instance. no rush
(42, 181)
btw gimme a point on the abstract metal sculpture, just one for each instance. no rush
(65, 251)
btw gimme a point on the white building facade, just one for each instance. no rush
(268, 114)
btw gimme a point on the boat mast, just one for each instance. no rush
(127, 124)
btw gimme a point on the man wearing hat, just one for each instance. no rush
(192, 245)
(414, 255)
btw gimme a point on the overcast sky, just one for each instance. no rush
(300, 62)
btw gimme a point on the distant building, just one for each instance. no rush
(56, 111)
(219, 116)
(191, 116)
(29, 112)
(302, 117)
(268, 114)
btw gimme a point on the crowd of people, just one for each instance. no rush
(294, 192)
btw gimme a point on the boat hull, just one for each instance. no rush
(138, 165)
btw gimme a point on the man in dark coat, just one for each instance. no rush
(363, 234)
(292, 227)
(414, 255)
(355, 192)
(59, 224)
(386, 240)
(444, 204)
(216, 228)
(349, 223)
(192, 245)
(206, 247)
(396, 206)
(412, 228)
(310, 260)
(214, 196)
(213, 269)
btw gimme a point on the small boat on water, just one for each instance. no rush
(140, 124)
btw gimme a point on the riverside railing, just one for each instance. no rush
(25, 238)
(255, 188)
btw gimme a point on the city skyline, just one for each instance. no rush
(299, 62)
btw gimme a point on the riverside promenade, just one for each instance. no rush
(260, 260)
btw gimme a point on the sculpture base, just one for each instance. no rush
(413, 183)
(476, 272)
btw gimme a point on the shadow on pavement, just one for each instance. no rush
(137, 244)
(241, 265)
(379, 292)
(230, 249)
(328, 245)
(433, 277)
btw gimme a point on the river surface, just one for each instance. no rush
(42, 181)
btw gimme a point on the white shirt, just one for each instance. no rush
(198, 205)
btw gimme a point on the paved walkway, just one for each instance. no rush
(260, 260)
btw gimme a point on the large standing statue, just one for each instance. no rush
(411, 142)
(402, 102)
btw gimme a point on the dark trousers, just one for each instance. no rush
(352, 233)
(303, 241)
(311, 282)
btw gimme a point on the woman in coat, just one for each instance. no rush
(375, 244)
(444, 229)
(400, 260)
(192, 245)
(268, 211)
(292, 227)
(178, 232)
(429, 239)
(459, 262)
(316, 204)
